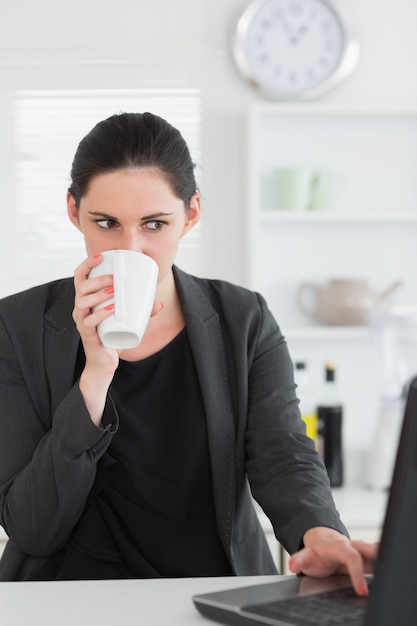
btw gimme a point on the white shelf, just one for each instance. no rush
(368, 231)
(374, 154)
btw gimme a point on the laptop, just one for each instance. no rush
(306, 601)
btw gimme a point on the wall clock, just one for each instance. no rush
(294, 49)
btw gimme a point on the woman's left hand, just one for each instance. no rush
(327, 552)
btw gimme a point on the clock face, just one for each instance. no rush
(294, 48)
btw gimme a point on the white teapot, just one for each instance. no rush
(341, 302)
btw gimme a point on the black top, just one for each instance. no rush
(152, 513)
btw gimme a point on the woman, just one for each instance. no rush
(136, 463)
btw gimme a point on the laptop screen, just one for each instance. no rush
(394, 594)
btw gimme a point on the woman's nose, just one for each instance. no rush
(131, 241)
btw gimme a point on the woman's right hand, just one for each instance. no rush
(101, 362)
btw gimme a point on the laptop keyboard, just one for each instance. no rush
(339, 607)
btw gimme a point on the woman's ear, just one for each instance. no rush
(193, 214)
(72, 210)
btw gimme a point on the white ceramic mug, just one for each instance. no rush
(135, 277)
(304, 188)
(293, 187)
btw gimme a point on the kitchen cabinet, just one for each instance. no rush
(368, 230)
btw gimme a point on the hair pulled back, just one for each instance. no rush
(134, 141)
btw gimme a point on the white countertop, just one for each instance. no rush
(153, 602)
(360, 507)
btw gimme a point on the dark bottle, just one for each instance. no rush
(330, 421)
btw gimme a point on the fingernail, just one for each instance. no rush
(291, 564)
(97, 256)
(109, 290)
(109, 307)
(363, 590)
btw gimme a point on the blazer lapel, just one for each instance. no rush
(203, 328)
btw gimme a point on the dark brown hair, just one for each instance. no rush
(129, 141)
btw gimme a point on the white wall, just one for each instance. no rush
(134, 43)
(384, 77)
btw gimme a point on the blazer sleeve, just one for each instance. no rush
(286, 474)
(48, 464)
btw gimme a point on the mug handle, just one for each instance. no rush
(303, 289)
(119, 274)
(314, 189)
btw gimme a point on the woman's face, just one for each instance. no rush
(134, 210)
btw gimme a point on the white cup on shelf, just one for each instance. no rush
(303, 188)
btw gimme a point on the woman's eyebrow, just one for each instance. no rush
(155, 216)
(103, 215)
(152, 216)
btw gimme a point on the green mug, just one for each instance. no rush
(303, 188)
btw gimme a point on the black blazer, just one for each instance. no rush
(50, 449)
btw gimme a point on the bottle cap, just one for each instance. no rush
(330, 371)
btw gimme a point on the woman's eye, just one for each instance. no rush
(155, 225)
(106, 224)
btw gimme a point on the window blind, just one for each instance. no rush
(48, 125)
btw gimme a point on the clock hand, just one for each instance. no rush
(294, 35)
(301, 30)
(286, 26)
